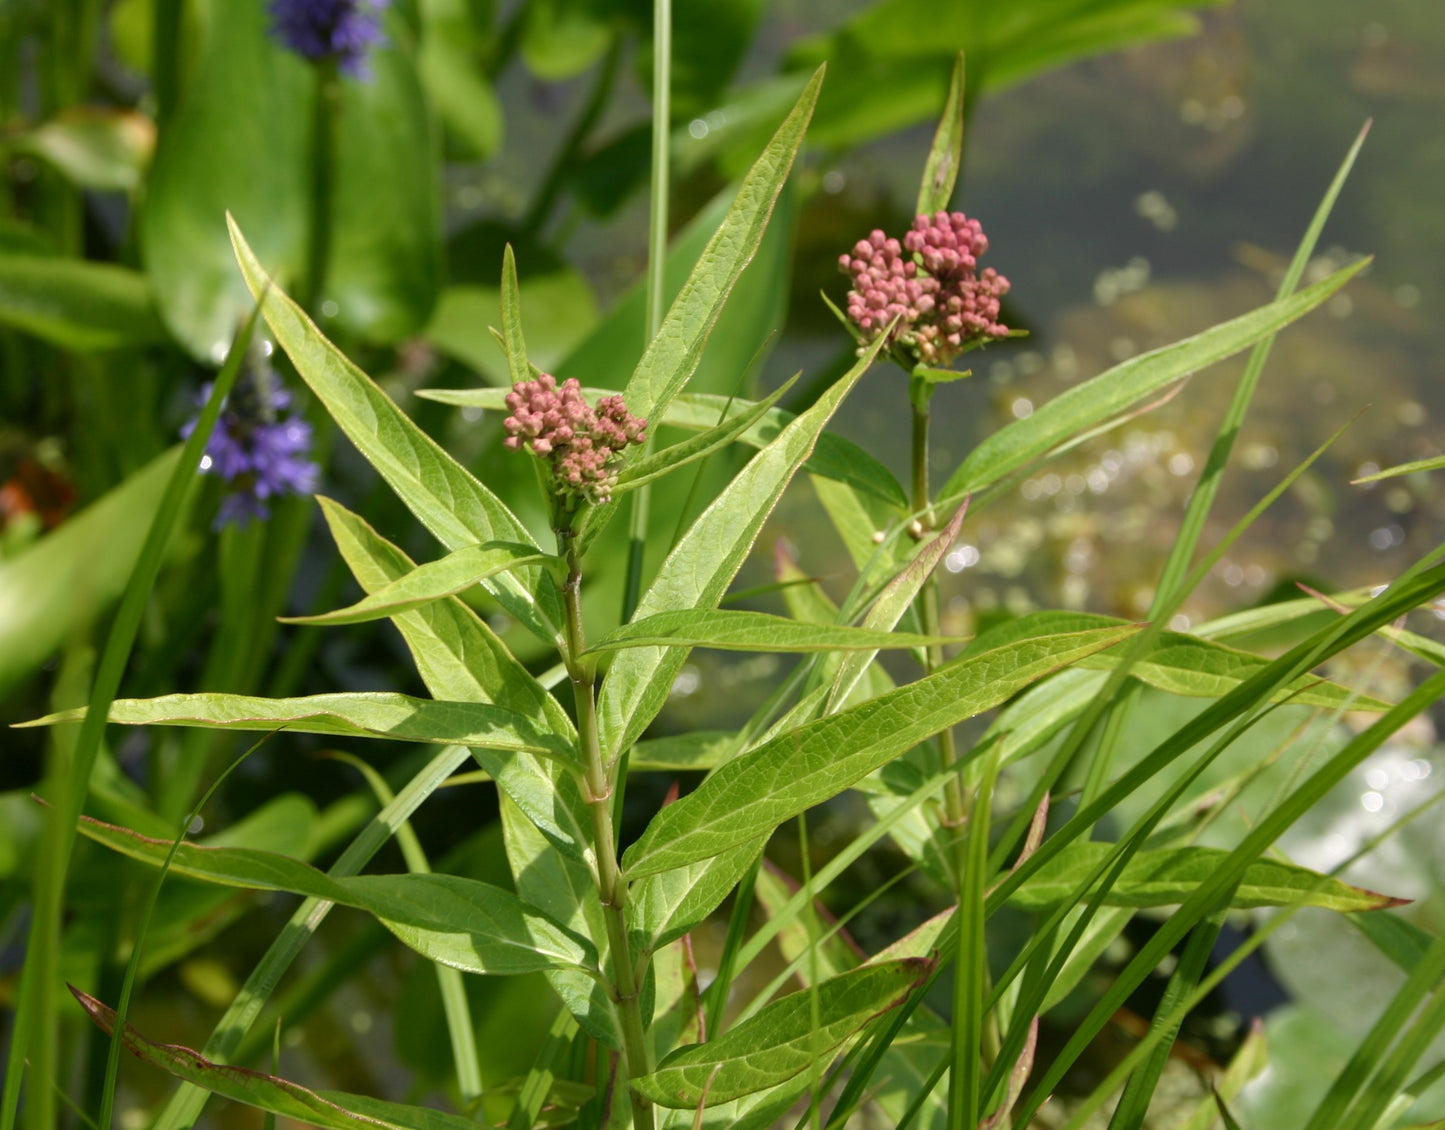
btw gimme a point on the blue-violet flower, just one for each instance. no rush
(259, 449)
(342, 30)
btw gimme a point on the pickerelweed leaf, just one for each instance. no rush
(674, 353)
(834, 457)
(76, 304)
(1170, 875)
(700, 567)
(329, 1110)
(452, 574)
(375, 714)
(1106, 396)
(460, 922)
(443, 495)
(783, 1039)
(1179, 663)
(752, 794)
(732, 630)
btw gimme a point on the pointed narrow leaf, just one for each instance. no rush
(1107, 395)
(376, 714)
(700, 446)
(940, 171)
(698, 571)
(513, 343)
(730, 630)
(892, 603)
(752, 794)
(460, 658)
(443, 495)
(783, 1039)
(674, 353)
(452, 574)
(460, 922)
(328, 1110)
(1170, 875)
(669, 904)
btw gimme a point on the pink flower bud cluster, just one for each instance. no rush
(931, 284)
(554, 422)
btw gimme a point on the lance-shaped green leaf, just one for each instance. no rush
(1106, 396)
(513, 343)
(1170, 875)
(443, 495)
(452, 574)
(460, 922)
(783, 1039)
(375, 714)
(752, 794)
(76, 304)
(833, 458)
(667, 905)
(700, 749)
(673, 354)
(1182, 664)
(734, 630)
(663, 462)
(329, 1110)
(940, 171)
(698, 571)
(892, 602)
(1403, 469)
(460, 659)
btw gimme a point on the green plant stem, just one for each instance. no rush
(955, 796)
(611, 888)
(326, 110)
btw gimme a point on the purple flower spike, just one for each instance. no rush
(258, 449)
(343, 30)
(931, 284)
(580, 444)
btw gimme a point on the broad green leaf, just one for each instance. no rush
(660, 463)
(366, 714)
(383, 275)
(460, 922)
(674, 353)
(464, 99)
(1170, 875)
(667, 905)
(732, 630)
(329, 1110)
(238, 144)
(78, 305)
(445, 498)
(945, 156)
(783, 1039)
(54, 589)
(1106, 396)
(698, 571)
(561, 38)
(104, 148)
(452, 574)
(461, 659)
(561, 311)
(752, 794)
(833, 458)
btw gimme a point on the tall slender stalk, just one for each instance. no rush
(600, 782)
(326, 111)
